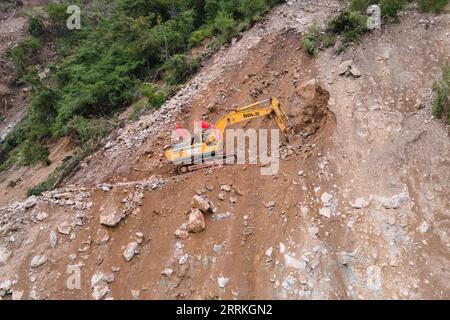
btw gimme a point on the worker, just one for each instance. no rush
(210, 134)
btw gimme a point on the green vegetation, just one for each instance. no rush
(441, 88)
(102, 68)
(436, 6)
(351, 23)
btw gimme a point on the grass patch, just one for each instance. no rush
(441, 88)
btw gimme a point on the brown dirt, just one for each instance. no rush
(366, 218)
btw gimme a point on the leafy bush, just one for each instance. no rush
(311, 40)
(437, 6)
(22, 54)
(178, 68)
(224, 26)
(441, 105)
(390, 8)
(252, 8)
(155, 96)
(36, 26)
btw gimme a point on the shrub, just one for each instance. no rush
(251, 9)
(311, 40)
(390, 8)
(350, 24)
(83, 130)
(441, 105)
(154, 95)
(437, 6)
(224, 26)
(22, 54)
(36, 26)
(199, 35)
(178, 68)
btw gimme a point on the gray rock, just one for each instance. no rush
(38, 261)
(110, 218)
(167, 272)
(344, 67)
(222, 282)
(64, 228)
(202, 203)
(354, 71)
(196, 221)
(360, 203)
(41, 216)
(4, 255)
(130, 251)
(270, 205)
(17, 295)
(53, 238)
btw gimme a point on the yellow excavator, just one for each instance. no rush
(205, 150)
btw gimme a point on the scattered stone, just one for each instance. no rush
(111, 218)
(354, 71)
(17, 295)
(181, 233)
(221, 196)
(196, 221)
(99, 291)
(301, 173)
(135, 294)
(41, 216)
(233, 200)
(4, 255)
(53, 239)
(64, 228)
(167, 272)
(217, 248)
(202, 203)
(344, 67)
(423, 228)
(222, 282)
(360, 203)
(313, 231)
(374, 278)
(183, 259)
(270, 205)
(325, 211)
(269, 252)
(225, 187)
(38, 261)
(130, 251)
(393, 202)
(5, 287)
(291, 262)
(326, 198)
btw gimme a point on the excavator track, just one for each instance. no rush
(206, 163)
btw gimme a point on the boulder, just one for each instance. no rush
(4, 255)
(110, 218)
(130, 251)
(202, 203)
(344, 67)
(196, 221)
(38, 261)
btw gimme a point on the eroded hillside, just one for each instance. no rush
(359, 208)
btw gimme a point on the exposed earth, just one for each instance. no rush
(359, 209)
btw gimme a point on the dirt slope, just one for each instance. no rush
(359, 210)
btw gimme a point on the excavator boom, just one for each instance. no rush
(252, 111)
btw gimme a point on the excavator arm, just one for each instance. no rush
(253, 111)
